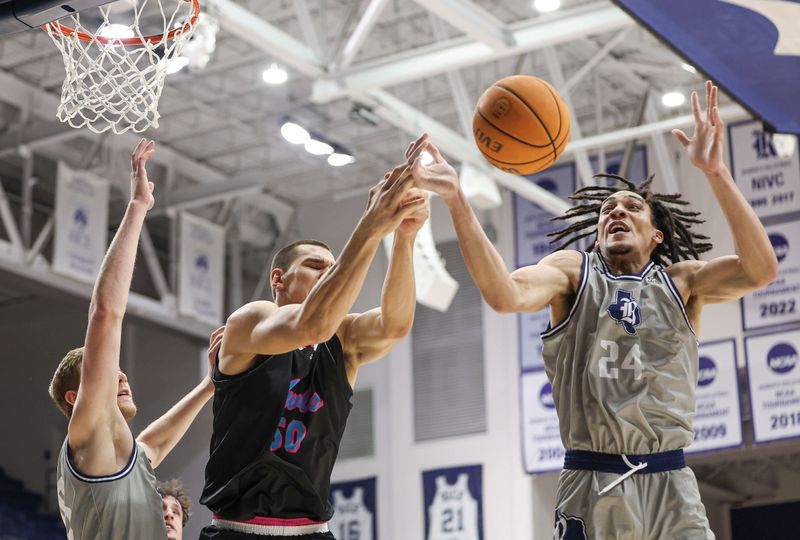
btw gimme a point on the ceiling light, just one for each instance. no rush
(275, 74)
(176, 64)
(688, 67)
(117, 31)
(340, 159)
(673, 99)
(318, 148)
(546, 6)
(427, 158)
(294, 133)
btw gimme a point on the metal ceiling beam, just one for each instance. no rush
(360, 33)
(451, 55)
(473, 20)
(458, 89)
(307, 27)
(594, 60)
(261, 34)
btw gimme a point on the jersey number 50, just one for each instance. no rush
(295, 434)
(632, 361)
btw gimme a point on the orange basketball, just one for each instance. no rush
(521, 124)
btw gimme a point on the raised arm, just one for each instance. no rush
(754, 265)
(528, 289)
(265, 328)
(368, 336)
(98, 433)
(160, 437)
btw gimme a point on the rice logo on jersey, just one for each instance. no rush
(546, 396)
(569, 527)
(782, 358)
(780, 245)
(708, 371)
(626, 311)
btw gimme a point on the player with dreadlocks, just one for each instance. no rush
(621, 350)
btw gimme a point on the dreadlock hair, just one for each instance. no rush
(680, 242)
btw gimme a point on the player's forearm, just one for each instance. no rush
(484, 263)
(163, 434)
(398, 297)
(752, 244)
(334, 295)
(110, 295)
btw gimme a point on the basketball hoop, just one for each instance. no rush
(115, 72)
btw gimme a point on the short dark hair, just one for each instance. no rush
(668, 215)
(67, 377)
(174, 488)
(286, 255)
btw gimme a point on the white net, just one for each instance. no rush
(116, 59)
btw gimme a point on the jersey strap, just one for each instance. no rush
(616, 463)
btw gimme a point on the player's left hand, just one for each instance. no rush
(412, 224)
(705, 146)
(214, 343)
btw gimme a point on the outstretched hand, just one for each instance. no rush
(705, 146)
(141, 187)
(438, 176)
(389, 202)
(214, 343)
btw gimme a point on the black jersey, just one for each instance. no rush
(277, 429)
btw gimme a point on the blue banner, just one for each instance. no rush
(749, 47)
(453, 503)
(355, 515)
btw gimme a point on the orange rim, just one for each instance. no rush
(67, 31)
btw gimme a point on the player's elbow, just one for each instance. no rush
(501, 304)
(397, 331)
(103, 311)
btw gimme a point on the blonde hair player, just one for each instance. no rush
(106, 486)
(621, 352)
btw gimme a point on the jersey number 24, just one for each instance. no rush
(608, 364)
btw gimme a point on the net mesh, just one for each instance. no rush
(114, 72)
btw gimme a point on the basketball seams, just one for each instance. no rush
(535, 114)
(548, 156)
(510, 136)
(556, 99)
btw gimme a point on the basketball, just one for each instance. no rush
(521, 124)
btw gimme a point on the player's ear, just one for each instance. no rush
(658, 236)
(276, 280)
(70, 396)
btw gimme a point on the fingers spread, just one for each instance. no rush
(698, 115)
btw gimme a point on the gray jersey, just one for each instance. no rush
(122, 506)
(623, 364)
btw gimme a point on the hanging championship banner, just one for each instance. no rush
(81, 223)
(770, 183)
(354, 512)
(202, 269)
(778, 302)
(453, 503)
(773, 377)
(542, 450)
(718, 422)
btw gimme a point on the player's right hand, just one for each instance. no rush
(389, 203)
(141, 187)
(439, 176)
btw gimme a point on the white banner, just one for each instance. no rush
(201, 284)
(542, 450)
(778, 302)
(773, 376)
(81, 223)
(770, 183)
(718, 422)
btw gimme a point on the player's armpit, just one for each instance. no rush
(537, 286)
(365, 338)
(719, 280)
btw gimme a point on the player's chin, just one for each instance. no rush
(127, 407)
